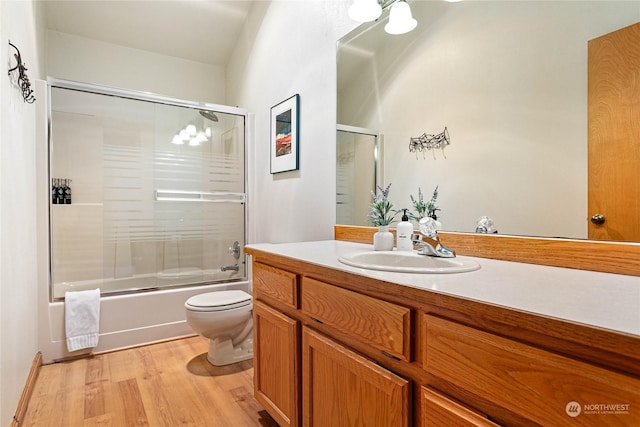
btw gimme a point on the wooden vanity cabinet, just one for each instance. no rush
(326, 343)
(335, 386)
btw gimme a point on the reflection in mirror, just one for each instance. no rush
(509, 81)
(356, 171)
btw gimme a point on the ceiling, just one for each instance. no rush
(205, 31)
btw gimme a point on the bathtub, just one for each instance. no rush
(128, 320)
(143, 282)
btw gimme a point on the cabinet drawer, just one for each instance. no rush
(538, 385)
(378, 323)
(275, 283)
(438, 410)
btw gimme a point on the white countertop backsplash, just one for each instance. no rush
(610, 301)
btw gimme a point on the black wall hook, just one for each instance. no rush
(23, 79)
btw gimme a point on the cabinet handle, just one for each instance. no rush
(598, 219)
(317, 320)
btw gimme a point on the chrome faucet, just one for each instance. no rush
(429, 242)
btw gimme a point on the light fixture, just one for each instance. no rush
(365, 10)
(191, 130)
(193, 136)
(400, 19)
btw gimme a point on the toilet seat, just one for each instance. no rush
(218, 301)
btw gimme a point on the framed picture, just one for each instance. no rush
(284, 135)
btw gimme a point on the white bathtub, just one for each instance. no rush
(163, 279)
(128, 320)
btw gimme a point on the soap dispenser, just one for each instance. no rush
(404, 230)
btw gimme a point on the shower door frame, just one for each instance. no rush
(136, 95)
(378, 153)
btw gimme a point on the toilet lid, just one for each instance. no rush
(218, 301)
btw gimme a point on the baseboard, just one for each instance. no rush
(23, 403)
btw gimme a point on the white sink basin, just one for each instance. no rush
(408, 262)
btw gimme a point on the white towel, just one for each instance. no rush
(81, 315)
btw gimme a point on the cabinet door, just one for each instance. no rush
(276, 362)
(342, 388)
(546, 388)
(439, 411)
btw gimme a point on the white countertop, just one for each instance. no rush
(610, 301)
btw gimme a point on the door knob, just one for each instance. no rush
(598, 219)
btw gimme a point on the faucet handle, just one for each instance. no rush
(429, 227)
(235, 250)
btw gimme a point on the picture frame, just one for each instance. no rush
(284, 140)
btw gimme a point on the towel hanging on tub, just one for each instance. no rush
(82, 315)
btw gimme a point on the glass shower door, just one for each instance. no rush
(157, 193)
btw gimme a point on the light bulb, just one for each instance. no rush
(177, 140)
(201, 137)
(194, 142)
(184, 135)
(400, 19)
(207, 131)
(191, 130)
(365, 10)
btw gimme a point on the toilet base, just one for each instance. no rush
(222, 351)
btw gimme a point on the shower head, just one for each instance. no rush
(209, 115)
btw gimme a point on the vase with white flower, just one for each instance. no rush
(381, 214)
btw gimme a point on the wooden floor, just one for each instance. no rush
(166, 384)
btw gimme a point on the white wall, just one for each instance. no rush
(292, 50)
(20, 23)
(85, 60)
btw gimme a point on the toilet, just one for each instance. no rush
(225, 318)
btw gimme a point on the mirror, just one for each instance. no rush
(509, 81)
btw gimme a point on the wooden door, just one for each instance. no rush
(614, 134)
(343, 389)
(276, 364)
